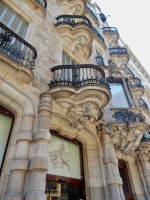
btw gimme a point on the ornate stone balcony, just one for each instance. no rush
(74, 7)
(136, 88)
(81, 92)
(17, 57)
(126, 130)
(39, 6)
(90, 14)
(120, 56)
(112, 35)
(77, 31)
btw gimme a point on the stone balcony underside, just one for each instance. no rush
(17, 57)
(127, 130)
(74, 7)
(77, 32)
(112, 35)
(38, 6)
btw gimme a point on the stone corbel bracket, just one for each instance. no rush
(81, 106)
(126, 137)
(79, 39)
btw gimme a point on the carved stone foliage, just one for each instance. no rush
(135, 82)
(126, 138)
(84, 113)
(128, 116)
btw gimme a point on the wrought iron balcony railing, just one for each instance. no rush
(143, 103)
(42, 2)
(100, 61)
(92, 13)
(110, 30)
(73, 20)
(78, 75)
(16, 48)
(146, 136)
(118, 50)
(98, 34)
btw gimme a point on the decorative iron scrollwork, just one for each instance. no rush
(128, 116)
(135, 83)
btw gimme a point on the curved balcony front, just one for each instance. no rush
(17, 57)
(38, 6)
(74, 7)
(136, 88)
(120, 56)
(84, 80)
(112, 35)
(77, 31)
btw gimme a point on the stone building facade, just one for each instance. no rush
(74, 105)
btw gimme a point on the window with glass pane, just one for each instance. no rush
(118, 100)
(12, 20)
(67, 74)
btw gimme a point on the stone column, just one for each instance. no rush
(113, 179)
(20, 162)
(38, 164)
(145, 165)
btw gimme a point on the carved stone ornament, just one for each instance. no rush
(111, 63)
(84, 113)
(81, 41)
(77, 9)
(126, 138)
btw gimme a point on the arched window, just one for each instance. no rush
(125, 179)
(65, 177)
(6, 122)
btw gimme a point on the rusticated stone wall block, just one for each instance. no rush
(110, 159)
(114, 180)
(38, 164)
(20, 164)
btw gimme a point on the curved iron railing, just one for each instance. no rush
(118, 50)
(143, 103)
(100, 61)
(146, 136)
(73, 20)
(16, 48)
(98, 34)
(92, 13)
(78, 75)
(110, 30)
(42, 2)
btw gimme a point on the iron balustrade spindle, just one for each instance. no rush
(110, 30)
(118, 50)
(16, 48)
(78, 75)
(73, 20)
(42, 2)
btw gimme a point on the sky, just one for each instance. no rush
(131, 18)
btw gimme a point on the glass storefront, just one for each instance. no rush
(65, 179)
(6, 120)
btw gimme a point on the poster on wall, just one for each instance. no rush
(64, 158)
(5, 126)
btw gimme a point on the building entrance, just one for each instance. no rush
(64, 180)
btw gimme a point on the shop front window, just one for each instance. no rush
(6, 121)
(65, 178)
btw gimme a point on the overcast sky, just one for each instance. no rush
(131, 18)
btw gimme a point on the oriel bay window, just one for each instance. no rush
(119, 99)
(65, 179)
